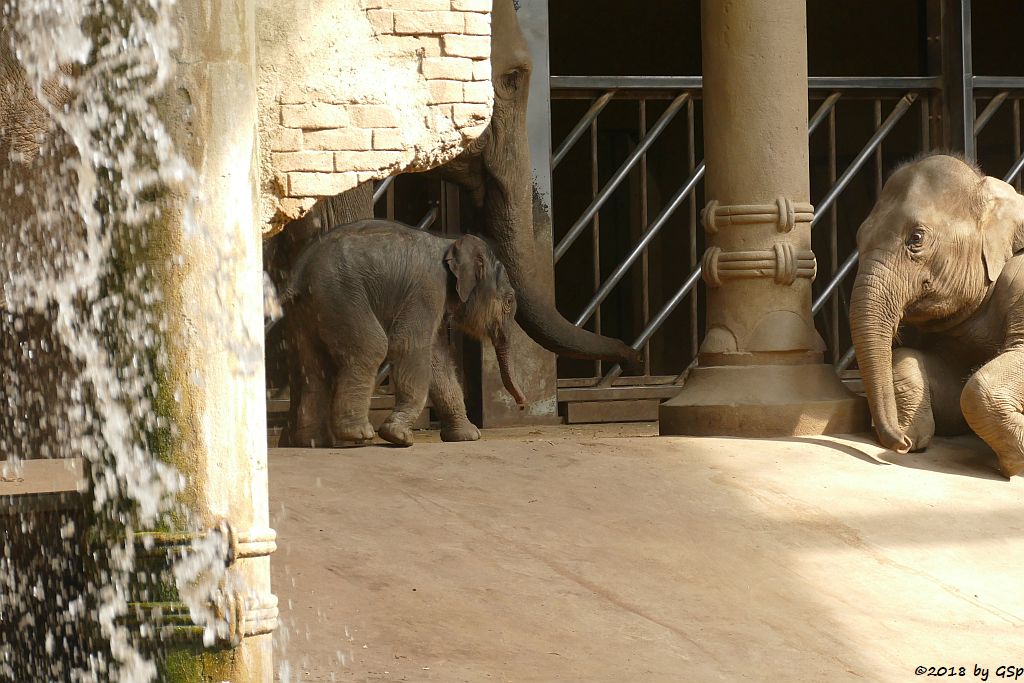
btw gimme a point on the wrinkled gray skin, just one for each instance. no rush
(937, 255)
(498, 174)
(376, 291)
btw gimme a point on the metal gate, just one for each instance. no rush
(612, 232)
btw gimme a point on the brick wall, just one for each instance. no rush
(396, 85)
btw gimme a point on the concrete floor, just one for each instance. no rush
(595, 555)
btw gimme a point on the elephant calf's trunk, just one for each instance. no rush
(501, 352)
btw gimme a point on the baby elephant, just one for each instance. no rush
(376, 291)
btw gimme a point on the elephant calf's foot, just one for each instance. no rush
(348, 434)
(304, 438)
(397, 433)
(462, 430)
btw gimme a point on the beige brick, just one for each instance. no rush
(452, 68)
(367, 161)
(421, 46)
(478, 92)
(469, 114)
(482, 70)
(338, 139)
(426, 23)
(316, 184)
(314, 116)
(303, 161)
(286, 140)
(471, 5)
(373, 116)
(383, 21)
(477, 24)
(388, 138)
(445, 91)
(419, 5)
(458, 45)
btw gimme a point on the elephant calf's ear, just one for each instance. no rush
(995, 253)
(461, 259)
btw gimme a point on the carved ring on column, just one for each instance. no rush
(784, 214)
(236, 545)
(783, 263)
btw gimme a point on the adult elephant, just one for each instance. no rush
(937, 254)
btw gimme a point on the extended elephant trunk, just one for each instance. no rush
(508, 213)
(501, 353)
(875, 313)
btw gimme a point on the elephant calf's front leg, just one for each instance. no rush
(913, 397)
(992, 402)
(446, 394)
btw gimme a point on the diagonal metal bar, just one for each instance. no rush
(883, 131)
(897, 113)
(823, 110)
(652, 135)
(656, 323)
(652, 232)
(669, 210)
(429, 218)
(577, 132)
(847, 360)
(382, 188)
(986, 115)
(1014, 170)
(834, 283)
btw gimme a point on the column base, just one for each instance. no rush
(764, 401)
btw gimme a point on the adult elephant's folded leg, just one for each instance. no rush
(993, 403)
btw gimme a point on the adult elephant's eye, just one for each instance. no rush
(916, 239)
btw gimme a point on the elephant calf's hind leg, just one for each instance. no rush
(992, 402)
(411, 375)
(353, 388)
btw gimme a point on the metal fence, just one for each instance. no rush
(847, 154)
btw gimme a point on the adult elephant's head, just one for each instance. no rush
(498, 173)
(929, 251)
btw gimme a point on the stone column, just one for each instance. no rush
(760, 370)
(213, 284)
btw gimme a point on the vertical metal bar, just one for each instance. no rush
(596, 232)
(389, 201)
(645, 303)
(926, 117)
(878, 150)
(691, 167)
(833, 228)
(1016, 139)
(958, 76)
(934, 64)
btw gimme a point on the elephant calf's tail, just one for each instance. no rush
(293, 285)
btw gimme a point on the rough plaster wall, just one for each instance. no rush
(355, 90)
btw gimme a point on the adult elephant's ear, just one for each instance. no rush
(465, 258)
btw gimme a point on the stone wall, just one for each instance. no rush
(356, 90)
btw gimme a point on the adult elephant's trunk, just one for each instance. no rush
(875, 313)
(508, 219)
(499, 175)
